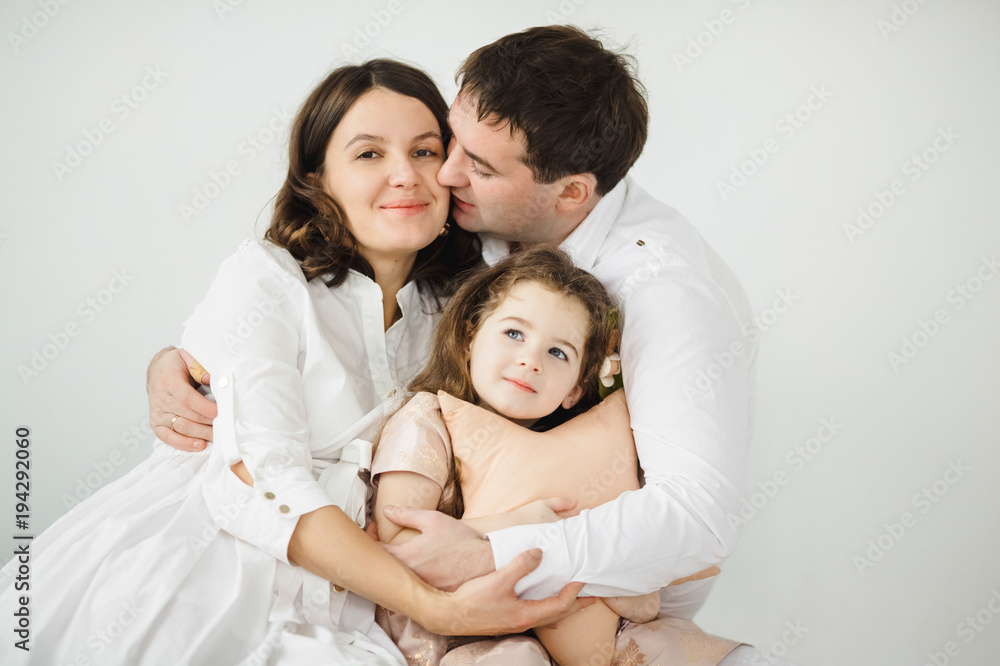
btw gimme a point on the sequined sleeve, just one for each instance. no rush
(415, 439)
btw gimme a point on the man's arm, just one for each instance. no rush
(690, 417)
(179, 414)
(692, 428)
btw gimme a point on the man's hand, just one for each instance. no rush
(489, 606)
(179, 415)
(446, 554)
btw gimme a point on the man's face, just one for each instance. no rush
(493, 192)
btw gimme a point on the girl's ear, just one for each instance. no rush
(573, 397)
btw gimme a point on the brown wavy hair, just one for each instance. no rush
(580, 105)
(312, 226)
(480, 294)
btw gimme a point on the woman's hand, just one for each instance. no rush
(489, 606)
(179, 415)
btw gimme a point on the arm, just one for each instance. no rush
(171, 385)
(263, 431)
(691, 445)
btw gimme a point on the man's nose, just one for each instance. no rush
(453, 172)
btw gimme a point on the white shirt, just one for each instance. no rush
(683, 310)
(304, 376)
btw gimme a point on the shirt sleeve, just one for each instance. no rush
(687, 369)
(247, 334)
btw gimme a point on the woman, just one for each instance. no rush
(238, 554)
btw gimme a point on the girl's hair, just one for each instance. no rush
(312, 226)
(480, 294)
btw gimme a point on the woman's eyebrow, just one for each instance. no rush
(381, 139)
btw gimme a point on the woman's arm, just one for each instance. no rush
(329, 544)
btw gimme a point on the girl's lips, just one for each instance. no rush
(521, 385)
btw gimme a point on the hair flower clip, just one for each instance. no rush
(611, 367)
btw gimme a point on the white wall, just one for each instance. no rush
(888, 94)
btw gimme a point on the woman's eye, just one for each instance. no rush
(559, 353)
(425, 152)
(514, 334)
(367, 155)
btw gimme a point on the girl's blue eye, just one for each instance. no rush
(559, 353)
(514, 334)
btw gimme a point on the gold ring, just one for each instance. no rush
(172, 422)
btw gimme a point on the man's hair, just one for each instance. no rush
(580, 106)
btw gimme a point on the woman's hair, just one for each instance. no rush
(480, 294)
(312, 226)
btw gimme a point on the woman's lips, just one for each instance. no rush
(521, 385)
(406, 206)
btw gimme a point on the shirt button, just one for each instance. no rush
(640, 243)
(269, 496)
(392, 393)
(283, 509)
(224, 382)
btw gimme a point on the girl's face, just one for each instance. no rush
(381, 166)
(525, 359)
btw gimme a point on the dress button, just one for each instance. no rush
(283, 508)
(224, 382)
(392, 393)
(268, 495)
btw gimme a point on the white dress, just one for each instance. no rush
(179, 562)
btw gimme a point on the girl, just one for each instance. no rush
(251, 552)
(527, 339)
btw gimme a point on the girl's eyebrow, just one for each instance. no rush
(526, 324)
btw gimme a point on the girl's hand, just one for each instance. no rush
(547, 510)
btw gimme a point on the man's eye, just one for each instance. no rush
(514, 334)
(481, 174)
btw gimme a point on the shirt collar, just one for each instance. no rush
(585, 241)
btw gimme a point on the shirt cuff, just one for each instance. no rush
(554, 571)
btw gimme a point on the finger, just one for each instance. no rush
(550, 611)
(178, 441)
(188, 428)
(558, 504)
(705, 573)
(198, 408)
(418, 519)
(195, 368)
(520, 566)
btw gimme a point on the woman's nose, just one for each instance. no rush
(403, 174)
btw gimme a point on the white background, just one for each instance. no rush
(225, 73)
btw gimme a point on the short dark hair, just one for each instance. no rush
(580, 105)
(310, 224)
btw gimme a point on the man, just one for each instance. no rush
(546, 125)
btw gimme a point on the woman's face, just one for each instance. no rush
(381, 166)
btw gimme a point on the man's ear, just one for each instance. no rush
(573, 397)
(576, 191)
